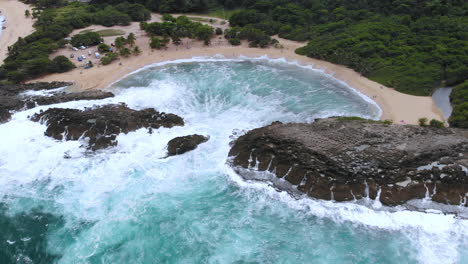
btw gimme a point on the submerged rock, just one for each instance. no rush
(102, 124)
(345, 160)
(180, 145)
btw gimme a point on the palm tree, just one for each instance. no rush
(120, 42)
(125, 52)
(136, 50)
(131, 39)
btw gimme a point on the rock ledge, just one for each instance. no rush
(345, 160)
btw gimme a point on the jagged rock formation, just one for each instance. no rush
(102, 124)
(180, 145)
(61, 97)
(14, 89)
(351, 159)
(12, 100)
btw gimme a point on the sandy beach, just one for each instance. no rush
(17, 25)
(396, 106)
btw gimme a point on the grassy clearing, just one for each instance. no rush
(110, 32)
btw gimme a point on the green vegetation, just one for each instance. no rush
(459, 100)
(110, 57)
(103, 48)
(182, 27)
(131, 39)
(136, 51)
(110, 32)
(256, 37)
(125, 52)
(29, 56)
(120, 42)
(436, 123)
(351, 118)
(158, 43)
(218, 31)
(234, 41)
(422, 121)
(86, 39)
(410, 45)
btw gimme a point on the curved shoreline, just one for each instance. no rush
(398, 107)
(221, 58)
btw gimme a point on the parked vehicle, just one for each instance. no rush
(88, 65)
(72, 55)
(97, 55)
(75, 49)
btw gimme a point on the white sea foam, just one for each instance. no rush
(118, 185)
(43, 92)
(221, 58)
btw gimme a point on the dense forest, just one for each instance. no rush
(459, 100)
(411, 45)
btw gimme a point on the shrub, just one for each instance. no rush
(86, 39)
(157, 43)
(136, 50)
(168, 17)
(234, 41)
(61, 64)
(103, 48)
(387, 122)
(436, 123)
(125, 52)
(204, 32)
(219, 31)
(422, 121)
(110, 57)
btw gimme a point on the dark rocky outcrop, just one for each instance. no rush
(12, 100)
(102, 124)
(351, 159)
(14, 89)
(180, 145)
(66, 97)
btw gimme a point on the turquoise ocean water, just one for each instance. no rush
(129, 204)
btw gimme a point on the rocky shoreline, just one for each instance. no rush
(338, 159)
(13, 97)
(344, 160)
(98, 127)
(101, 125)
